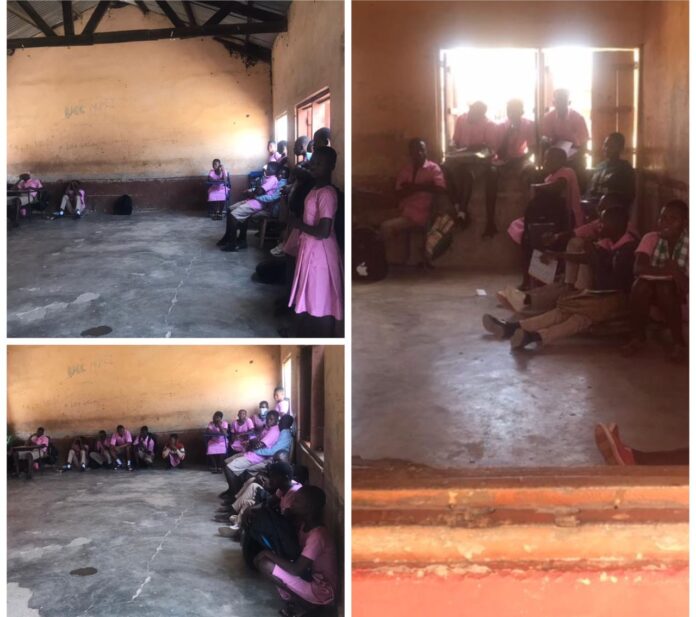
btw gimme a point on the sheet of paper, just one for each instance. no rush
(544, 272)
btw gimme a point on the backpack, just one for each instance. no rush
(123, 205)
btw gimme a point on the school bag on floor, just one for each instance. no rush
(369, 255)
(273, 532)
(123, 205)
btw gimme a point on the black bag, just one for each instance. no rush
(369, 256)
(123, 205)
(271, 531)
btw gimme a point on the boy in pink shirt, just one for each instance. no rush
(121, 443)
(40, 451)
(282, 405)
(259, 419)
(27, 182)
(662, 270)
(416, 184)
(239, 463)
(174, 452)
(77, 454)
(144, 448)
(101, 452)
(73, 202)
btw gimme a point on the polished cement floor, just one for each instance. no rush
(431, 387)
(152, 274)
(119, 544)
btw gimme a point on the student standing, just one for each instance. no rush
(218, 190)
(217, 434)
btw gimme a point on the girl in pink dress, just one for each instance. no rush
(242, 428)
(282, 405)
(317, 288)
(174, 452)
(218, 190)
(216, 433)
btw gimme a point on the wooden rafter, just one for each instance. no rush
(188, 7)
(239, 8)
(171, 14)
(219, 15)
(142, 6)
(68, 26)
(36, 18)
(94, 19)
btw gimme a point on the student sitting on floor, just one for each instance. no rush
(416, 185)
(662, 268)
(611, 260)
(242, 429)
(614, 174)
(259, 419)
(101, 452)
(282, 403)
(121, 443)
(218, 190)
(144, 448)
(77, 454)
(73, 202)
(302, 591)
(615, 452)
(317, 289)
(174, 452)
(238, 214)
(217, 435)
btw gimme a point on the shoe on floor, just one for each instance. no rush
(499, 328)
(226, 532)
(521, 338)
(229, 248)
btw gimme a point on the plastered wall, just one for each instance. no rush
(81, 389)
(158, 109)
(308, 58)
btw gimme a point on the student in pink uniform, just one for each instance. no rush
(416, 185)
(27, 182)
(174, 452)
(282, 403)
(101, 452)
(662, 271)
(144, 448)
(73, 202)
(239, 463)
(77, 455)
(217, 434)
(317, 288)
(218, 190)
(121, 443)
(259, 418)
(32, 457)
(318, 557)
(242, 429)
(273, 155)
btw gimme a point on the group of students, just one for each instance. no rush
(29, 192)
(304, 200)
(269, 507)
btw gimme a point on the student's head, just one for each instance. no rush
(561, 100)
(613, 145)
(323, 163)
(310, 146)
(515, 109)
(40, 431)
(217, 417)
(272, 168)
(282, 456)
(300, 147)
(279, 394)
(271, 418)
(417, 151)
(554, 159)
(25, 176)
(144, 431)
(242, 415)
(477, 111)
(102, 435)
(217, 164)
(173, 438)
(263, 408)
(309, 503)
(272, 148)
(322, 138)
(674, 219)
(286, 422)
(120, 429)
(279, 476)
(283, 147)
(613, 223)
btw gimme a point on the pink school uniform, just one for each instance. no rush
(519, 141)
(268, 184)
(240, 429)
(32, 183)
(218, 445)
(268, 436)
(282, 407)
(275, 157)
(175, 459)
(318, 546)
(474, 133)
(118, 440)
(217, 191)
(572, 193)
(259, 424)
(571, 128)
(146, 441)
(417, 207)
(318, 285)
(289, 496)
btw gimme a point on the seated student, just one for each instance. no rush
(77, 454)
(514, 146)
(282, 403)
(416, 185)
(101, 451)
(273, 155)
(469, 157)
(239, 213)
(611, 260)
(615, 452)
(321, 139)
(614, 174)
(217, 435)
(662, 268)
(242, 429)
(25, 183)
(310, 149)
(73, 202)
(283, 151)
(144, 448)
(317, 289)
(33, 456)
(174, 452)
(301, 591)
(121, 443)
(259, 419)
(218, 190)
(563, 124)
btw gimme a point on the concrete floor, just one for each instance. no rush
(149, 535)
(153, 274)
(432, 387)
